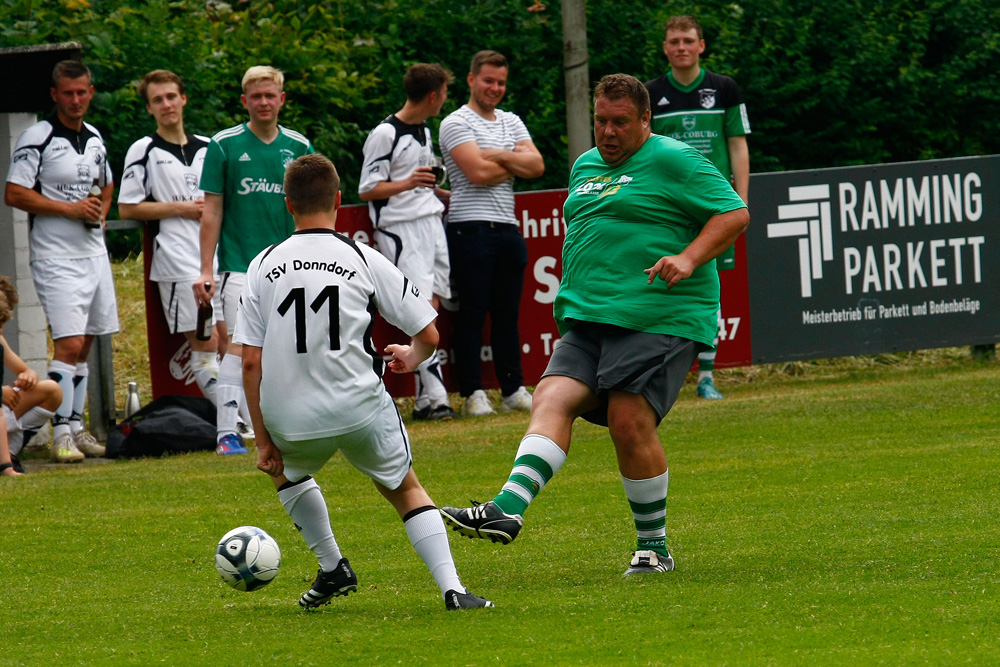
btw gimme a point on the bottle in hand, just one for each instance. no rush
(95, 192)
(203, 329)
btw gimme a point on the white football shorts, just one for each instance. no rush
(230, 288)
(419, 248)
(180, 308)
(380, 450)
(77, 295)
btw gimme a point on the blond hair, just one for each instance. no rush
(259, 73)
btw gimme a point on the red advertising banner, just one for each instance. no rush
(540, 220)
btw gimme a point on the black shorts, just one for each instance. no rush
(611, 358)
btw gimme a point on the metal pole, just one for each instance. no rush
(579, 130)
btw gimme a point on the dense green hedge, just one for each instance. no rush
(827, 84)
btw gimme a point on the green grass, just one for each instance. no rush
(849, 515)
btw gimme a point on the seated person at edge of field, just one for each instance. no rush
(305, 320)
(27, 403)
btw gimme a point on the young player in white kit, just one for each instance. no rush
(305, 319)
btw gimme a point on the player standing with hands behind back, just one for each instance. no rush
(307, 312)
(244, 213)
(706, 111)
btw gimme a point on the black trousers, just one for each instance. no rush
(487, 269)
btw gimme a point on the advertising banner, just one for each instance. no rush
(873, 259)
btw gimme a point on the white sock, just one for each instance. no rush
(648, 500)
(62, 373)
(429, 538)
(31, 421)
(304, 503)
(431, 391)
(538, 460)
(206, 373)
(227, 394)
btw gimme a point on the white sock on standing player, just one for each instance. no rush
(228, 393)
(62, 373)
(205, 367)
(80, 375)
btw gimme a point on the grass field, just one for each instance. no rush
(847, 514)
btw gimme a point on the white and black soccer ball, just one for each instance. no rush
(247, 558)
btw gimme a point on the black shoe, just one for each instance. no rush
(16, 462)
(454, 600)
(439, 413)
(650, 562)
(485, 521)
(340, 581)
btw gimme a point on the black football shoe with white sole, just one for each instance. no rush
(454, 600)
(328, 585)
(649, 562)
(484, 521)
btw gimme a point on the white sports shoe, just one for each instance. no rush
(477, 405)
(519, 400)
(64, 450)
(87, 443)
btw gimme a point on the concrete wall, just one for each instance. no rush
(26, 333)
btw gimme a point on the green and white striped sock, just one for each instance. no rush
(538, 459)
(648, 500)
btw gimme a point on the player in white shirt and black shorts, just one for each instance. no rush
(404, 204)
(59, 174)
(160, 184)
(313, 378)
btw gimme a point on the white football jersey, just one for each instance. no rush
(61, 164)
(158, 170)
(310, 303)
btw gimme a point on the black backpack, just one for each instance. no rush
(168, 425)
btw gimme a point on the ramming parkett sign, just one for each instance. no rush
(862, 260)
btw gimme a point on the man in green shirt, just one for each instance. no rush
(640, 207)
(244, 213)
(705, 110)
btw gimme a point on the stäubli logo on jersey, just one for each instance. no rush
(248, 185)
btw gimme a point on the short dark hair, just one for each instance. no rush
(683, 23)
(619, 86)
(487, 57)
(311, 184)
(69, 69)
(159, 76)
(9, 290)
(423, 78)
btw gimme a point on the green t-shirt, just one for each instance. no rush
(250, 176)
(621, 220)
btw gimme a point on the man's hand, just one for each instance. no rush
(191, 210)
(89, 208)
(404, 358)
(268, 456)
(671, 270)
(202, 295)
(11, 397)
(26, 380)
(422, 177)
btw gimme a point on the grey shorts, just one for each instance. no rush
(609, 358)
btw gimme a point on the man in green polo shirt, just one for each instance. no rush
(705, 110)
(640, 207)
(244, 213)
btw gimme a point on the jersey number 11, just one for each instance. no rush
(297, 297)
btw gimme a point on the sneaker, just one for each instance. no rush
(244, 430)
(64, 450)
(88, 444)
(477, 405)
(454, 600)
(230, 443)
(649, 562)
(519, 400)
(329, 585)
(706, 389)
(483, 520)
(441, 413)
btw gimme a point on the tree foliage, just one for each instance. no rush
(826, 84)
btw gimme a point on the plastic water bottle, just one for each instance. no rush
(132, 403)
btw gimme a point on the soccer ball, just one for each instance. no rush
(247, 558)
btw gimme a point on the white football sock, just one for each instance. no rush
(227, 394)
(62, 373)
(429, 538)
(206, 373)
(431, 391)
(304, 503)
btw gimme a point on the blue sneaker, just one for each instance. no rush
(706, 389)
(231, 443)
